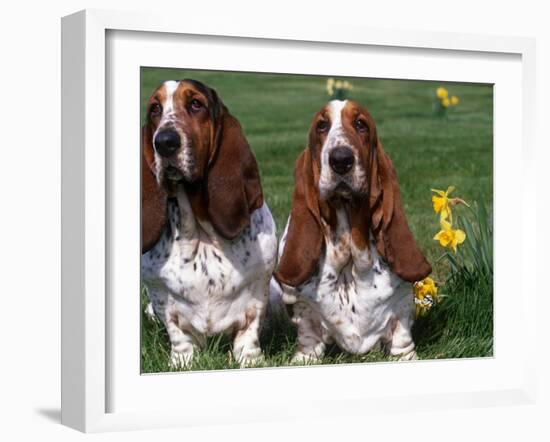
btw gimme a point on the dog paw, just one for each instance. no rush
(179, 360)
(250, 358)
(301, 358)
(253, 361)
(409, 356)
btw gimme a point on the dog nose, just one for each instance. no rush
(167, 141)
(341, 160)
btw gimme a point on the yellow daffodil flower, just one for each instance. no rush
(425, 295)
(441, 203)
(449, 237)
(454, 100)
(445, 102)
(442, 93)
(330, 86)
(338, 84)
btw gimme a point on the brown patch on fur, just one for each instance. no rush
(174, 318)
(359, 225)
(153, 197)
(395, 241)
(196, 196)
(249, 316)
(233, 185)
(382, 211)
(304, 238)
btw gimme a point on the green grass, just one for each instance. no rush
(428, 152)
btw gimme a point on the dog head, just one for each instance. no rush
(345, 165)
(190, 138)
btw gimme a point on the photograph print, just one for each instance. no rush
(298, 220)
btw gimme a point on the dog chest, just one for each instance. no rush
(207, 281)
(354, 292)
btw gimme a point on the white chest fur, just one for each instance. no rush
(353, 298)
(204, 283)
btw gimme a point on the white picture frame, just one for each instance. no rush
(89, 170)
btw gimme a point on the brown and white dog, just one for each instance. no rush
(347, 255)
(209, 241)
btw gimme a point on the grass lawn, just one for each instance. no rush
(275, 112)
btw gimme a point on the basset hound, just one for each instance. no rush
(209, 244)
(348, 256)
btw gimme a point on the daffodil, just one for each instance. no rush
(441, 202)
(425, 295)
(449, 237)
(445, 102)
(442, 93)
(454, 100)
(338, 84)
(330, 86)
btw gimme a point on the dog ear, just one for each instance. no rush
(366, 212)
(304, 237)
(394, 239)
(233, 188)
(153, 196)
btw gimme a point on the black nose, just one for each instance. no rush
(167, 141)
(341, 160)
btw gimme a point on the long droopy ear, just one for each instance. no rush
(304, 237)
(153, 196)
(233, 189)
(394, 239)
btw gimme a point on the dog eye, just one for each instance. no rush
(155, 110)
(360, 126)
(196, 105)
(322, 126)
